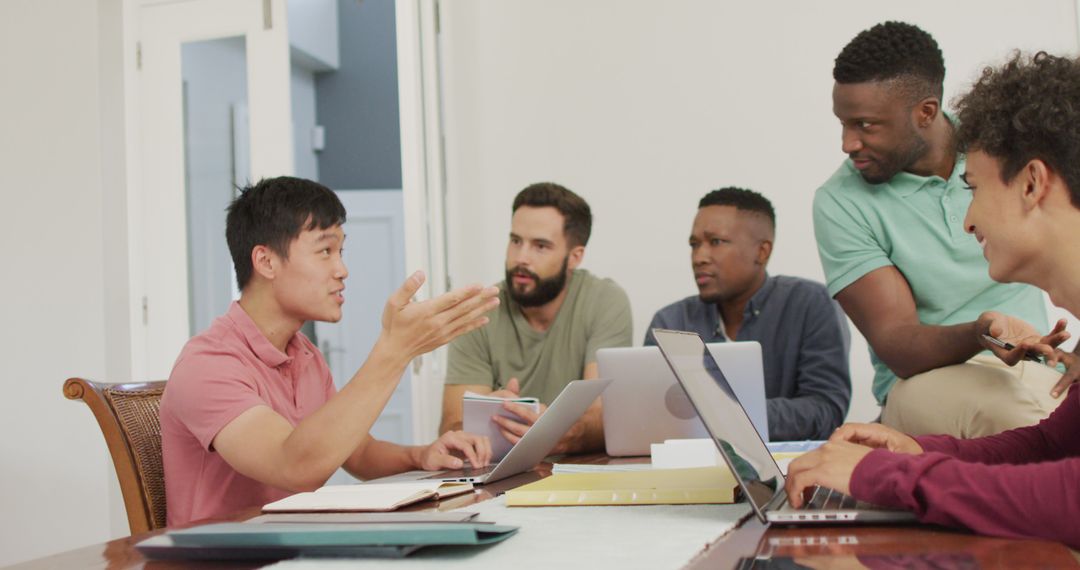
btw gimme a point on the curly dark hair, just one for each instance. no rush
(577, 217)
(743, 199)
(1028, 108)
(890, 51)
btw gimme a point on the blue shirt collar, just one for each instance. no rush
(754, 306)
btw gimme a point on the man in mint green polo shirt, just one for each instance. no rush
(889, 227)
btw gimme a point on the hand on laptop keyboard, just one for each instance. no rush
(829, 466)
(831, 499)
(877, 436)
(445, 452)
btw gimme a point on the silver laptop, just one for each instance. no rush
(743, 449)
(534, 446)
(643, 387)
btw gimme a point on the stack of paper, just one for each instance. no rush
(366, 497)
(478, 409)
(648, 487)
(686, 453)
(425, 516)
(598, 468)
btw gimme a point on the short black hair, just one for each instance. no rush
(1026, 109)
(893, 50)
(742, 199)
(577, 217)
(273, 212)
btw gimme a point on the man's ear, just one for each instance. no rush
(926, 111)
(264, 262)
(577, 253)
(1037, 179)
(764, 252)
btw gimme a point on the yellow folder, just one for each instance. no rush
(647, 487)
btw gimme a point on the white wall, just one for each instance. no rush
(56, 479)
(642, 107)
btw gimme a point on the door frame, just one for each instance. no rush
(158, 226)
(423, 179)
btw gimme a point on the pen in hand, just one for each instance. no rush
(1028, 355)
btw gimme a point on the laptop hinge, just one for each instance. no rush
(777, 501)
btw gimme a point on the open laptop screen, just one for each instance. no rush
(723, 415)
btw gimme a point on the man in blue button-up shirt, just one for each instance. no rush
(803, 333)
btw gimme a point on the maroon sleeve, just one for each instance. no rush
(1040, 500)
(1053, 438)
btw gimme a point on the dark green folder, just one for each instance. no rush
(393, 534)
(240, 541)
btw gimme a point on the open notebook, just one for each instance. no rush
(366, 497)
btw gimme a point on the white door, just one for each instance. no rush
(375, 256)
(159, 224)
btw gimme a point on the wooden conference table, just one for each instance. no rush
(908, 546)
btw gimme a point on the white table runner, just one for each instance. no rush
(648, 537)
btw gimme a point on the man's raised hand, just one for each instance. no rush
(418, 327)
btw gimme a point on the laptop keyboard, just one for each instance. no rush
(825, 498)
(462, 473)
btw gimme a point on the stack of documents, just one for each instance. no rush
(248, 541)
(644, 487)
(426, 516)
(598, 467)
(478, 409)
(686, 453)
(366, 497)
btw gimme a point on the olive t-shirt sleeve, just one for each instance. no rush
(611, 324)
(469, 361)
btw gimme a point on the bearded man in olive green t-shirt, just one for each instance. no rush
(551, 320)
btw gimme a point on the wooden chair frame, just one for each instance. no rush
(133, 485)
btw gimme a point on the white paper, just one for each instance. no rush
(362, 497)
(594, 468)
(685, 453)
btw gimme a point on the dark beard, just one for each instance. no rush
(899, 162)
(545, 291)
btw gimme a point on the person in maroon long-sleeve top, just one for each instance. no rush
(1020, 125)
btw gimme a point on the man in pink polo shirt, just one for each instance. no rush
(1020, 126)
(250, 413)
